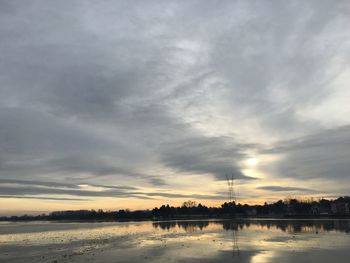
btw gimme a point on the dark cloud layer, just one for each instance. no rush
(46, 191)
(285, 189)
(43, 198)
(323, 155)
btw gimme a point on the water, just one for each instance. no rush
(254, 241)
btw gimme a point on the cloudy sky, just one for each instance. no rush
(115, 104)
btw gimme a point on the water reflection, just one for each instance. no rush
(191, 241)
(289, 226)
(234, 227)
(259, 241)
(188, 226)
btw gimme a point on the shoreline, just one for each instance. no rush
(190, 218)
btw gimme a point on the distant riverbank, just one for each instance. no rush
(289, 208)
(267, 217)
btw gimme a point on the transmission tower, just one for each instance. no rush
(231, 188)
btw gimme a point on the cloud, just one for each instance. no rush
(322, 155)
(217, 156)
(60, 185)
(285, 189)
(155, 94)
(44, 198)
(189, 196)
(53, 191)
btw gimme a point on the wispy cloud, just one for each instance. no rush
(36, 190)
(44, 198)
(286, 189)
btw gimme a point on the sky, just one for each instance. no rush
(134, 104)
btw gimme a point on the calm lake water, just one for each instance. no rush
(254, 241)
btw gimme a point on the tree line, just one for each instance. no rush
(190, 209)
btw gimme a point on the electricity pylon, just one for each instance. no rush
(231, 189)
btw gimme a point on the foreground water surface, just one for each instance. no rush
(254, 241)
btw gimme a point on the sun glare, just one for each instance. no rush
(252, 161)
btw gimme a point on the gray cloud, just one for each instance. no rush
(321, 155)
(44, 198)
(285, 189)
(61, 185)
(35, 190)
(217, 156)
(190, 196)
(81, 192)
(37, 183)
